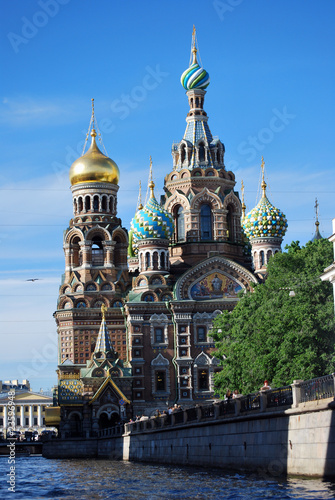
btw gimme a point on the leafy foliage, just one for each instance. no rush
(270, 335)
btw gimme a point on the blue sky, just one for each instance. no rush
(271, 93)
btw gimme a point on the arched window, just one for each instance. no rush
(206, 222)
(268, 255)
(147, 260)
(203, 380)
(162, 260)
(76, 253)
(75, 206)
(155, 261)
(201, 153)
(182, 153)
(96, 203)
(104, 203)
(180, 224)
(261, 258)
(87, 203)
(97, 252)
(80, 204)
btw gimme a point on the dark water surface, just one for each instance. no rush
(39, 478)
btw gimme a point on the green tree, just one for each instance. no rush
(270, 335)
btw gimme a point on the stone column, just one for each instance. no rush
(85, 254)
(296, 392)
(263, 400)
(39, 415)
(31, 420)
(22, 416)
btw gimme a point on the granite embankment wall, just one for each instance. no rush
(290, 430)
(269, 441)
(294, 441)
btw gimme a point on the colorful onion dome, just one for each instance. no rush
(151, 221)
(94, 166)
(194, 77)
(264, 220)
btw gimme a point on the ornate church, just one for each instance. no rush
(135, 308)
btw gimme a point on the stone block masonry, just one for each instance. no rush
(297, 440)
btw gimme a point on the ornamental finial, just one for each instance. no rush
(93, 132)
(316, 206)
(103, 312)
(139, 201)
(151, 183)
(194, 48)
(243, 204)
(263, 185)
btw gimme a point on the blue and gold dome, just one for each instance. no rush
(151, 221)
(264, 220)
(194, 77)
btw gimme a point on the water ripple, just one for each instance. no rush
(39, 478)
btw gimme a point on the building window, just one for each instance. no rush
(203, 380)
(180, 224)
(159, 335)
(18, 421)
(35, 420)
(201, 334)
(160, 381)
(35, 408)
(1, 421)
(27, 421)
(206, 222)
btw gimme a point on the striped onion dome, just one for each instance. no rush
(195, 77)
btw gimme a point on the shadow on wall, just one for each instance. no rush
(330, 458)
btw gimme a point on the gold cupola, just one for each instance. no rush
(94, 166)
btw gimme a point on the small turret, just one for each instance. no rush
(265, 226)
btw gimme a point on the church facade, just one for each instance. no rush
(135, 309)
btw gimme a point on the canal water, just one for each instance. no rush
(39, 478)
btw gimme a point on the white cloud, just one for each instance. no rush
(28, 111)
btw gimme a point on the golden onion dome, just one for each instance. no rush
(94, 166)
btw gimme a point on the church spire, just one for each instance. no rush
(103, 347)
(317, 235)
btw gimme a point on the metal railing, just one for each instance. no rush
(226, 407)
(317, 388)
(279, 397)
(250, 402)
(309, 390)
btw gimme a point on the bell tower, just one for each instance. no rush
(95, 246)
(199, 192)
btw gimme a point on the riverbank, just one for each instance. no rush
(289, 441)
